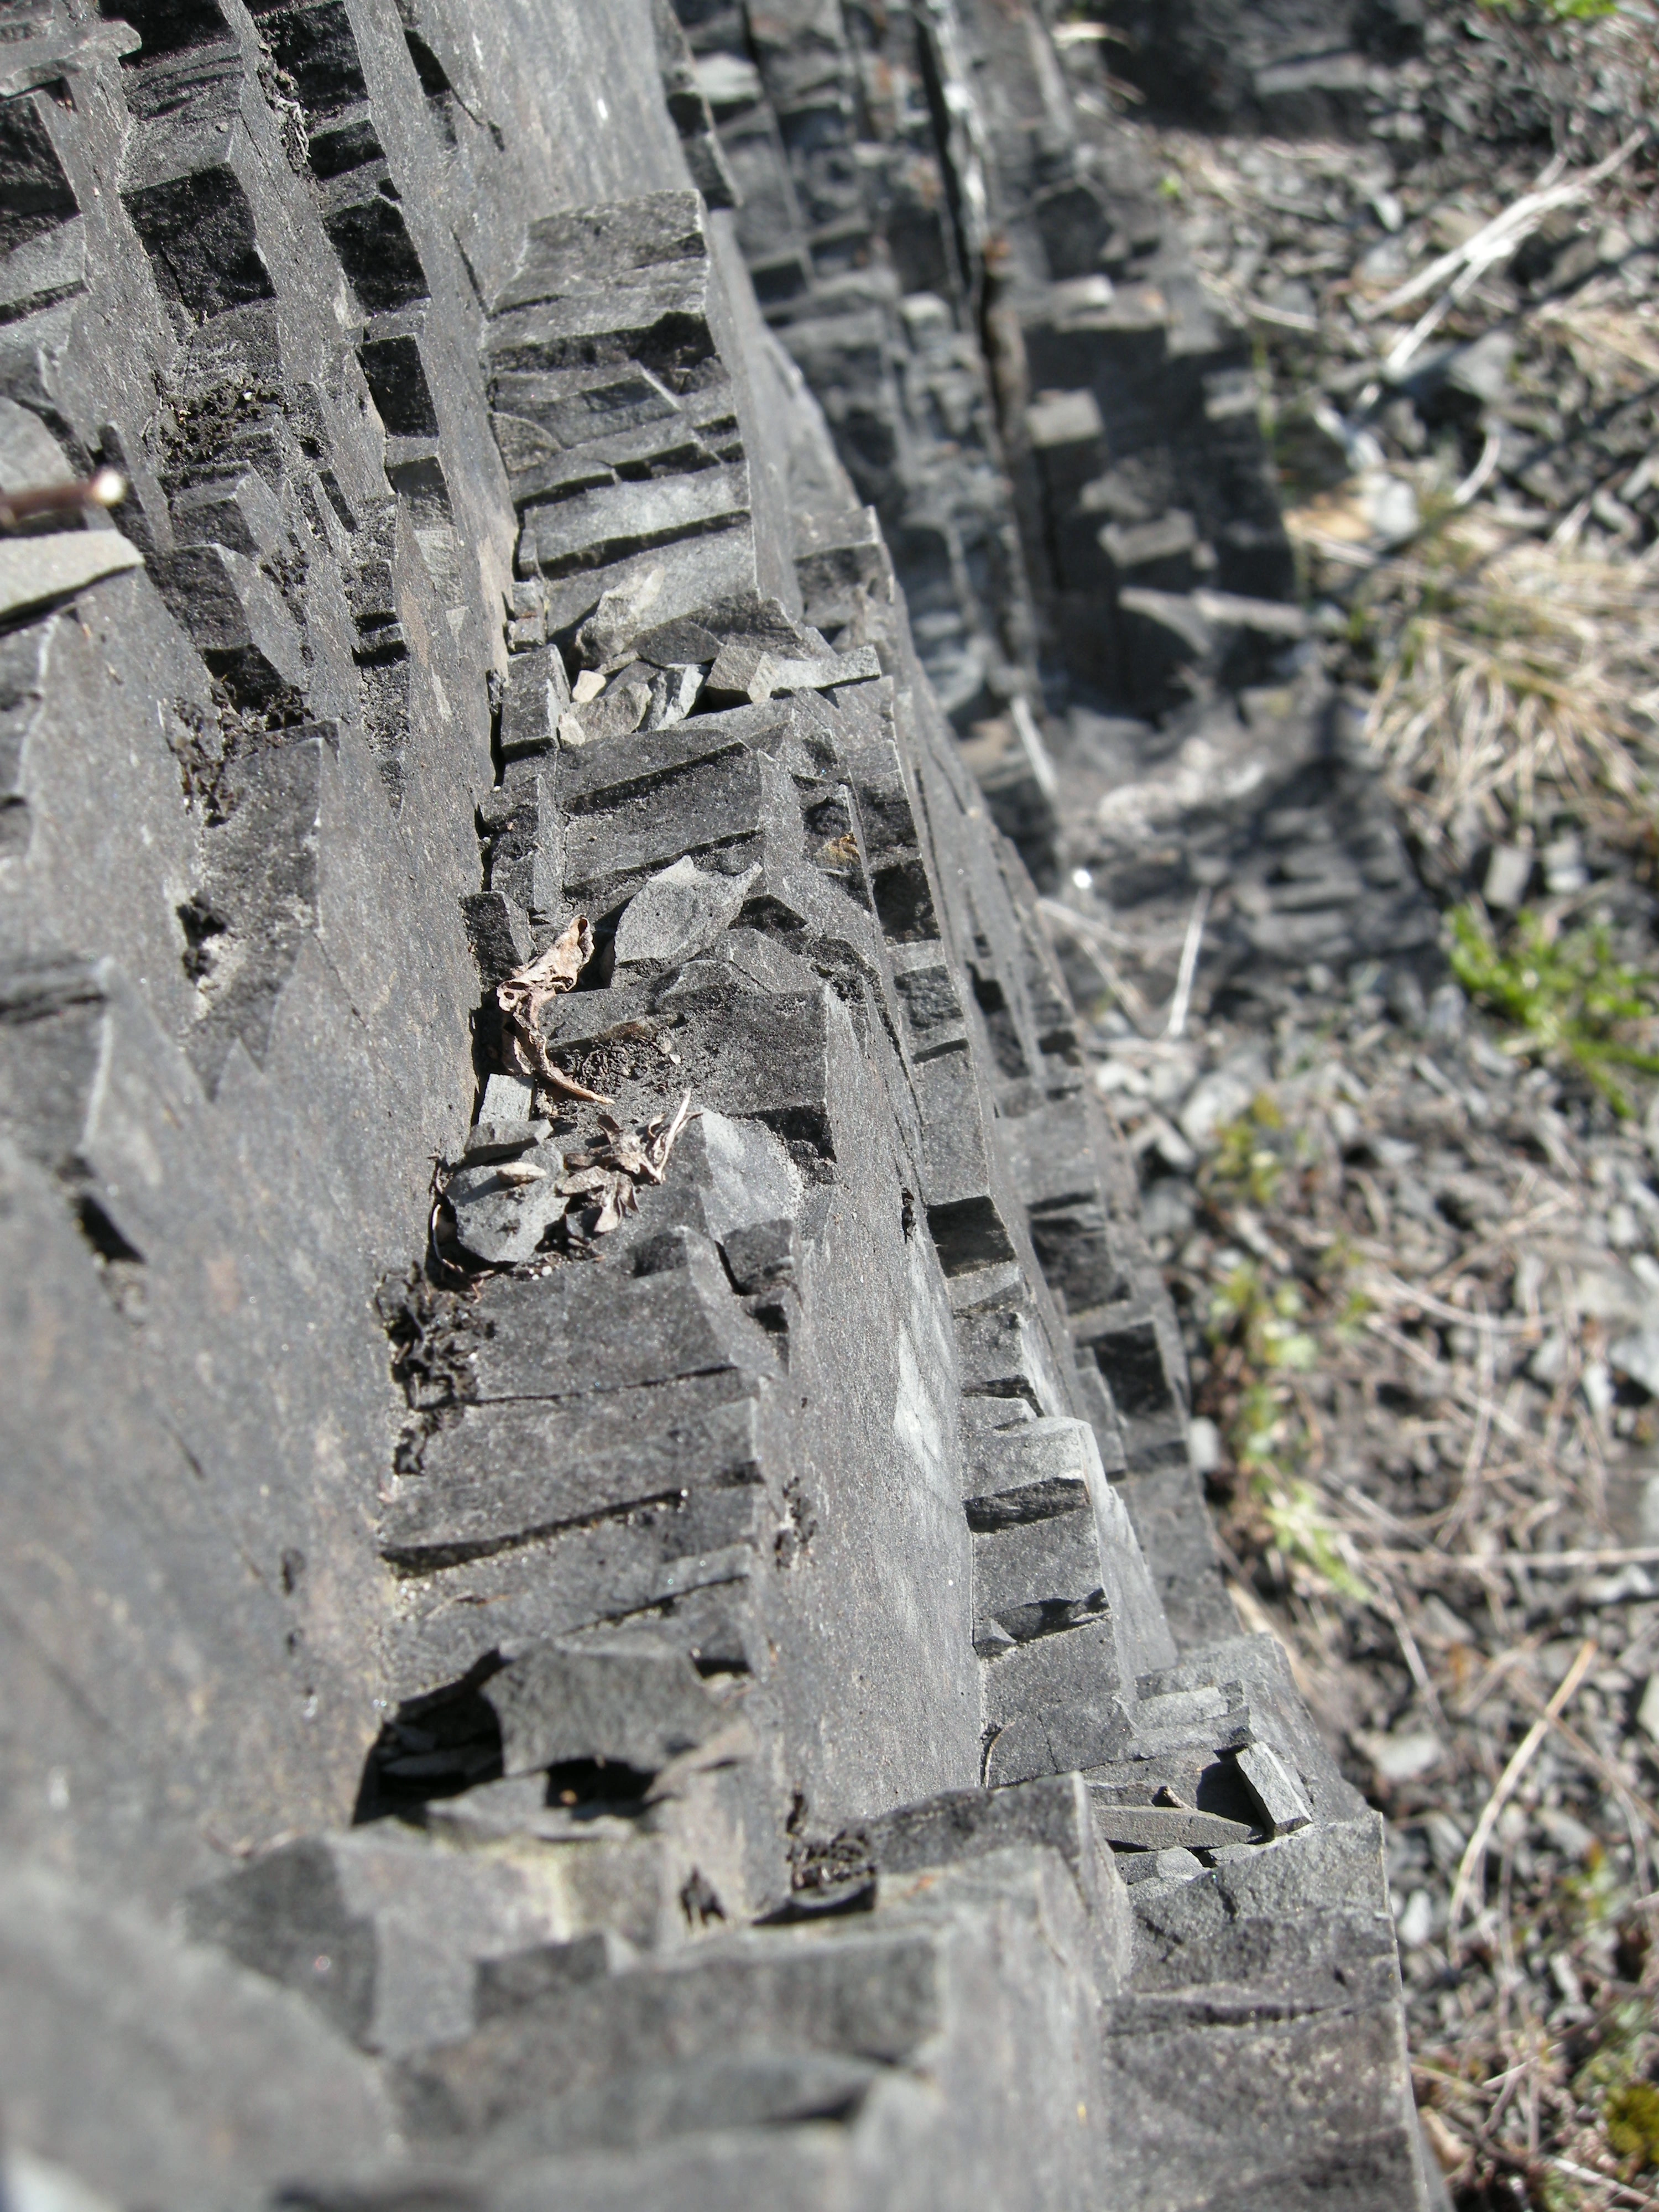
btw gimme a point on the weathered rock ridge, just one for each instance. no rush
(604, 1600)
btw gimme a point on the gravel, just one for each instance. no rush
(1415, 1249)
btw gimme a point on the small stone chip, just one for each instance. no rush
(501, 1217)
(506, 1098)
(504, 1140)
(683, 644)
(1174, 1864)
(618, 714)
(1275, 1789)
(619, 618)
(516, 1173)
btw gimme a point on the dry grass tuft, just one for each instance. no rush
(1518, 682)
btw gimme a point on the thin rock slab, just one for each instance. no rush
(1285, 1808)
(755, 672)
(1165, 1827)
(35, 570)
(626, 1701)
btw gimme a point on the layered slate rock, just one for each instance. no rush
(968, 257)
(607, 1600)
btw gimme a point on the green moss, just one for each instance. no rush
(1301, 1533)
(1261, 1323)
(1249, 1158)
(1623, 2032)
(1632, 2117)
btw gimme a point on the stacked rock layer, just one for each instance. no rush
(604, 1599)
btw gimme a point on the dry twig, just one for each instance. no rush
(1504, 1789)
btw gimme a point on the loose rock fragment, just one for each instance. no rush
(528, 627)
(1162, 1827)
(1509, 870)
(1174, 1864)
(618, 618)
(538, 692)
(755, 671)
(1403, 1756)
(506, 1098)
(683, 644)
(616, 713)
(1275, 1789)
(503, 1208)
(503, 1141)
(673, 695)
(630, 1702)
(678, 911)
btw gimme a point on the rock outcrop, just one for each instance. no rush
(604, 1598)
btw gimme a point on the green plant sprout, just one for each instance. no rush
(1559, 11)
(1300, 1533)
(1245, 1164)
(1566, 993)
(1262, 1321)
(1557, 2194)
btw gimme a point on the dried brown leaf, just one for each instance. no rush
(619, 1200)
(527, 990)
(555, 970)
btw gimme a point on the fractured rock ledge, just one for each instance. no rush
(606, 1598)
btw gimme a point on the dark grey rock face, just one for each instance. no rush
(1059, 430)
(601, 1574)
(1287, 67)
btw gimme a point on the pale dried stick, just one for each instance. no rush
(1469, 1481)
(1621, 2190)
(106, 489)
(1469, 1704)
(1088, 935)
(1190, 952)
(1524, 1753)
(1467, 263)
